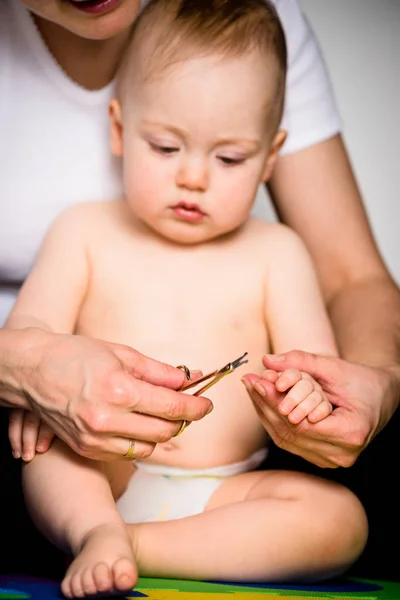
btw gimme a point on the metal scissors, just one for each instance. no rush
(212, 379)
(214, 376)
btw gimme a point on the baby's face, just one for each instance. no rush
(97, 19)
(196, 145)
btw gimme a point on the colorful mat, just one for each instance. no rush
(17, 587)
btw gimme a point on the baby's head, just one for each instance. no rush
(200, 100)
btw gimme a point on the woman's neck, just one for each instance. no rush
(90, 63)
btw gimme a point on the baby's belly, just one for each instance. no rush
(203, 336)
(230, 434)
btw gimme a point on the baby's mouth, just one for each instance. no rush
(188, 212)
(94, 6)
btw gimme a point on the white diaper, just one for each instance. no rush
(161, 493)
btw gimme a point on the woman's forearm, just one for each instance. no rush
(19, 354)
(366, 318)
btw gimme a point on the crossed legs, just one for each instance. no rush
(265, 525)
(259, 526)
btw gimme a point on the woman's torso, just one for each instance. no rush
(54, 147)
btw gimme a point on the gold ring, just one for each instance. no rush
(186, 370)
(131, 449)
(181, 428)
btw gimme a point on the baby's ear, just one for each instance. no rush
(116, 142)
(273, 153)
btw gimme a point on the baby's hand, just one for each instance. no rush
(304, 398)
(28, 434)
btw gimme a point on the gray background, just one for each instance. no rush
(360, 40)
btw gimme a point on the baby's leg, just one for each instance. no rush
(70, 501)
(260, 526)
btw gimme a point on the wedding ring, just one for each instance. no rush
(131, 449)
(181, 428)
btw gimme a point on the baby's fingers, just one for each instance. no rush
(322, 411)
(288, 379)
(270, 375)
(15, 425)
(30, 435)
(296, 395)
(44, 439)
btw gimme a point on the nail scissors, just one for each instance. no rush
(214, 377)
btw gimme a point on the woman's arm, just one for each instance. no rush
(315, 192)
(94, 395)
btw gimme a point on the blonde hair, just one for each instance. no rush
(169, 31)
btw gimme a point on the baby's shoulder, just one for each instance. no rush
(83, 212)
(273, 237)
(87, 218)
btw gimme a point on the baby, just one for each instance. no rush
(181, 271)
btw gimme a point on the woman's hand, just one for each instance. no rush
(364, 399)
(96, 395)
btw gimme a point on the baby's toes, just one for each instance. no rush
(88, 583)
(102, 577)
(125, 574)
(71, 585)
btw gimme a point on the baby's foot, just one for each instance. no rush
(105, 564)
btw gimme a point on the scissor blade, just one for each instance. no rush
(239, 361)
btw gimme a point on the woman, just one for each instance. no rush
(58, 60)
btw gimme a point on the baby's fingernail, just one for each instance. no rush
(275, 357)
(16, 454)
(246, 384)
(210, 409)
(260, 389)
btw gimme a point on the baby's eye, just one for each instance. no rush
(231, 161)
(164, 149)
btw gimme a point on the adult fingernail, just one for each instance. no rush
(27, 456)
(260, 389)
(210, 408)
(246, 384)
(275, 357)
(195, 375)
(16, 454)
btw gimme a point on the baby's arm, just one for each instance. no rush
(53, 291)
(296, 318)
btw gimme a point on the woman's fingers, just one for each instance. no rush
(150, 370)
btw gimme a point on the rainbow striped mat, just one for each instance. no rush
(18, 587)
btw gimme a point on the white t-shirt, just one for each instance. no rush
(54, 148)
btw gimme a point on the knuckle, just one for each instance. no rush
(345, 460)
(163, 435)
(84, 445)
(318, 397)
(175, 405)
(306, 387)
(94, 419)
(146, 451)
